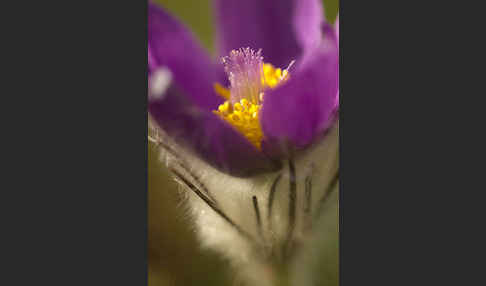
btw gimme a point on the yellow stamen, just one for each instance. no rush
(220, 90)
(237, 107)
(272, 76)
(243, 115)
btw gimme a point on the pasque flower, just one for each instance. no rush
(274, 89)
(252, 135)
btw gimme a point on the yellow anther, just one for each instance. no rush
(267, 68)
(284, 74)
(222, 109)
(237, 107)
(223, 92)
(243, 115)
(227, 107)
(271, 76)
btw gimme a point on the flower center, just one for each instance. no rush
(249, 77)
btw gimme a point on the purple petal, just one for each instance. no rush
(308, 19)
(205, 134)
(171, 45)
(294, 114)
(181, 98)
(258, 24)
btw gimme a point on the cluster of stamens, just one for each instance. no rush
(249, 77)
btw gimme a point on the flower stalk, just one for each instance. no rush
(261, 223)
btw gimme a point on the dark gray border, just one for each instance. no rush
(79, 205)
(405, 118)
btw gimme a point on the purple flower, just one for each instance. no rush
(244, 115)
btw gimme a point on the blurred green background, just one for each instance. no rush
(173, 252)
